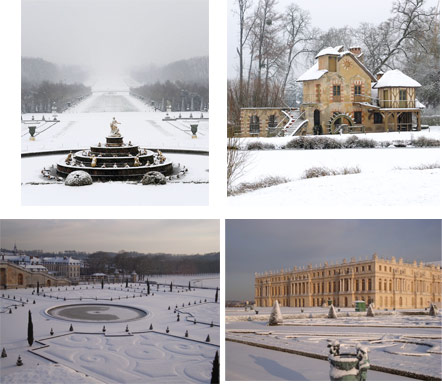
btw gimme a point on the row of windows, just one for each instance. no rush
(254, 126)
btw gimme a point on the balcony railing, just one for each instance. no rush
(314, 99)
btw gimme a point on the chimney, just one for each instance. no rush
(356, 51)
(379, 75)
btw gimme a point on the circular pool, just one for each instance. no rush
(108, 313)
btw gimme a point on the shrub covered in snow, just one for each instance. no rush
(266, 182)
(259, 145)
(425, 142)
(324, 171)
(78, 178)
(313, 143)
(355, 142)
(153, 177)
(275, 316)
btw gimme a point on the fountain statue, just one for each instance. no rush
(115, 132)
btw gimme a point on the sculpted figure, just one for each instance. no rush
(94, 161)
(137, 161)
(68, 158)
(114, 129)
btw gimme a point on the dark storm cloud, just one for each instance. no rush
(169, 236)
(269, 245)
(112, 35)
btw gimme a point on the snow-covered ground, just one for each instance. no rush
(408, 342)
(87, 355)
(87, 124)
(192, 189)
(385, 178)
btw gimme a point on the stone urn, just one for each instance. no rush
(194, 129)
(348, 366)
(32, 132)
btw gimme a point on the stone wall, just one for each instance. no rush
(14, 276)
(263, 114)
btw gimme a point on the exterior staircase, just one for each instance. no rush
(295, 123)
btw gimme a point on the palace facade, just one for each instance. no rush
(386, 283)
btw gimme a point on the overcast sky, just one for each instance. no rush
(111, 35)
(269, 245)
(168, 236)
(324, 15)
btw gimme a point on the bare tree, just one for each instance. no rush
(236, 162)
(245, 26)
(296, 24)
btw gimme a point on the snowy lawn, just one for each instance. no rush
(192, 189)
(410, 343)
(244, 362)
(115, 356)
(385, 177)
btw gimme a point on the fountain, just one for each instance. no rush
(115, 160)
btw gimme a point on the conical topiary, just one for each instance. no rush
(178, 317)
(104, 328)
(275, 316)
(4, 352)
(167, 330)
(127, 328)
(30, 329)
(71, 328)
(151, 327)
(186, 334)
(211, 324)
(332, 313)
(215, 370)
(51, 332)
(208, 339)
(19, 361)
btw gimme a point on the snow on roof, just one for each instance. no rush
(420, 105)
(329, 51)
(313, 73)
(396, 78)
(61, 260)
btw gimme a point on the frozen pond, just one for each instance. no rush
(96, 312)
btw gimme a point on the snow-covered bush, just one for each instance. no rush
(275, 316)
(324, 171)
(78, 178)
(153, 177)
(355, 142)
(422, 141)
(266, 182)
(259, 145)
(313, 143)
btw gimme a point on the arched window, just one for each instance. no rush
(363, 284)
(254, 124)
(369, 284)
(272, 123)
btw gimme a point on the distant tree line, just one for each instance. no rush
(44, 85)
(272, 43)
(194, 71)
(43, 97)
(178, 95)
(153, 264)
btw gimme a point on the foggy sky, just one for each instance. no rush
(269, 245)
(112, 35)
(324, 15)
(168, 236)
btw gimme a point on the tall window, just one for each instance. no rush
(402, 98)
(357, 90)
(272, 121)
(336, 93)
(254, 124)
(377, 118)
(332, 64)
(358, 117)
